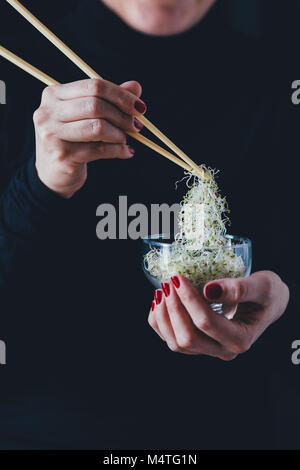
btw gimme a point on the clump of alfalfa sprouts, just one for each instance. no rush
(201, 252)
(203, 216)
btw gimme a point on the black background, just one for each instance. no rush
(272, 19)
(277, 23)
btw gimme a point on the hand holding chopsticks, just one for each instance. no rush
(190, 165)
(50, 81)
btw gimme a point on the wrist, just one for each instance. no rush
(60, 190)
(41, 192)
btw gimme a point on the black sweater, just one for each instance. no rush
(83, 367)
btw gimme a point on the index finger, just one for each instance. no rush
(104, 89)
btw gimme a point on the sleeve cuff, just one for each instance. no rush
(43, 196)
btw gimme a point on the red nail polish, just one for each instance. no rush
(166, 288)
(176, 282)
(158, 296)
(131, 150)
(140, 107)
(213, 291)
(138, 124)
(153, 305)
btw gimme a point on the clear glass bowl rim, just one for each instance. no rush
(241, 241)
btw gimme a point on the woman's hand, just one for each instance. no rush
(183, 319)
(80, 122)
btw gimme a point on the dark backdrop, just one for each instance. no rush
(274, 19)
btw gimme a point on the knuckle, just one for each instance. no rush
(45, 133)
(203, 323)
(227, 357)
(102, 149)
(40, 115)
(47, 93)
(60, 155)
(185, 341)
(96, 86)
(173, 347)
(270, 274)
(271, 283)
(151, 320)
(96, 127)
(187, 296)
(92, 106)
(122, 101)
(268, 286)
(239, 291)
(70, 170)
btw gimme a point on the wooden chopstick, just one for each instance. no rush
(50, 81)
(92, 74)
(27, 67)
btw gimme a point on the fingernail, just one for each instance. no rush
(153, 305)
(213, 291)
(166, 288)
(140, 107)
(131, 149)
(176, 282)
(158, 296)
(138, 124)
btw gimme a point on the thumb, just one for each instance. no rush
(234, 291)
(134, 87)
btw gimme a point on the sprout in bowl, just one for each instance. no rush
(164, 258)
(201, 250)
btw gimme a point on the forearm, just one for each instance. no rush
(28, 210)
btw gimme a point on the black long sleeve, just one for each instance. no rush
(27, 210)
(84, 368)
(27, 206)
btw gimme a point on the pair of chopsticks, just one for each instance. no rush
(185, 162)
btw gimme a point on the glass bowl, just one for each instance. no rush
(202, 271)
